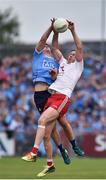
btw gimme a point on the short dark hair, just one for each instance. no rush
(47, 45)
(73, 50)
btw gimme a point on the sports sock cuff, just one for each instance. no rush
(36, 146)
(49, 160)
(61, 147)
(34, 150)
(73, 142)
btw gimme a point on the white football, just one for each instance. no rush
(60, 25)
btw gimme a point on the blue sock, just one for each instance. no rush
(61, 148)
(73, 143)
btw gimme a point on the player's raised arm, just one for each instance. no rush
(55, 47)
(41, 44)
(78, 43)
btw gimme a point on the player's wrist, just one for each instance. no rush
(51, 28)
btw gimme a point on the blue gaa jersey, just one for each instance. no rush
(40, 67)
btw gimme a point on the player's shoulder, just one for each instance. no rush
(81, 62)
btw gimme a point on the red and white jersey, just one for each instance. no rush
(67, 77)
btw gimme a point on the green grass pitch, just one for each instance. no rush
(80, 168)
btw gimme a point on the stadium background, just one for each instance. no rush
(18, 115)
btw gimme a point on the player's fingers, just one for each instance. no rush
(53, 19)
(70, 22)
(67, 20)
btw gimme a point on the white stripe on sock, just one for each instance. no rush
(49, 160)
(36, 146)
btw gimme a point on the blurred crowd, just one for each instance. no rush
(18, 114)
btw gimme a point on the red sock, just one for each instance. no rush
(34, 150)
(49, 163)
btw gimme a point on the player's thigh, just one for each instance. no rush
(48, 115)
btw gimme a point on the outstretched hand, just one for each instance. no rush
(71, 25)
(52, 22)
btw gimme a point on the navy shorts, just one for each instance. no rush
(40, 99)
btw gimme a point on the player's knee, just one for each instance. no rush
(42, 121)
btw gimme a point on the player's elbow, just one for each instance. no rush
(80, 48)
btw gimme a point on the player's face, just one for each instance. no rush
(47, 50)
(71, 57)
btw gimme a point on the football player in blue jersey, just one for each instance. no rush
(43, 66)
(42, 63)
